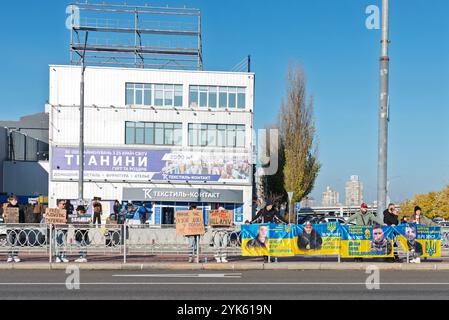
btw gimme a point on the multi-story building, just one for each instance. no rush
(166, 137)
(330, 197)
(354, 191)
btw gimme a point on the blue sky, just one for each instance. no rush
(340, 57)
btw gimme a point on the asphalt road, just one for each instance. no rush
(246, 285)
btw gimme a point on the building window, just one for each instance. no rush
(160, 95)
(214, 96)
(216, 135)
(153, 133)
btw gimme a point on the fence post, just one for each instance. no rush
(124, 243)
(50, 240)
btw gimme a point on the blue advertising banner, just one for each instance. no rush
(144, 165)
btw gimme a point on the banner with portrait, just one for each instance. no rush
(420, 240)
(266, 240)
(367, 242)
(317, 239)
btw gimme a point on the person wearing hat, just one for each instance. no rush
(269, 215)
(418, 218)
(365, 218)
(81, 234)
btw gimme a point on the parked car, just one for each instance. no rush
(444, 223)
(328, 219)
(312, 218)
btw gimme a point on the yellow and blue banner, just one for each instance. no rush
(318, 239)
(266, 240)
(420, 240)
(367, 242)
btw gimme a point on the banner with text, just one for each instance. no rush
(420, 240)
(156, 165)
(318, 239)
(366, 242)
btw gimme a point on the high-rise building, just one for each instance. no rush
(354, 191)
(330, 197)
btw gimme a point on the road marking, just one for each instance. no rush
(185, 275)
(230, 283)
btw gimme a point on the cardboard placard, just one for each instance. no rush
(189, 223)
(11, 215)
(55, 216)
(221, 218)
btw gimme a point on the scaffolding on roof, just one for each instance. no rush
(130, 36)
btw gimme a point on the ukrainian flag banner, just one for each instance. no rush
(367, 242)
(420, 240)
(266, 240)
(317, 239)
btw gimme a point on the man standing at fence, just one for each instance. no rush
(220, 238)
(61, 239)
(12, 235)
(98, 211)
(81, 234)
(391, 219)
(193, 244)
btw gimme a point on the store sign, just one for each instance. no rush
(157, 165)
(183, 195)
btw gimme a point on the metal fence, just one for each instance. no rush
(127, 240)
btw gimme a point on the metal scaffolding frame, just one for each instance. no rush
(135, 39)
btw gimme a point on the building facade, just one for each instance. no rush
(166, 137)
(354, 191)
(330, 198)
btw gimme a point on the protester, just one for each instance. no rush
(98, 211)
(391, 216)
(12, 235)
(404, 220)
(81, 234)
(69, 208)
(61, 239)
(38, 210)
(391, 219)
(364, 218)
(269, 215)
(418, 218)
(220, 237)
(117, 208)
(193, 244)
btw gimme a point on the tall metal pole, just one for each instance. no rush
(383, 113)
(81, 143)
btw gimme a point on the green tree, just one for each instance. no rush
(433, 204)
(297, 132)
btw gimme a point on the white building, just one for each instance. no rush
(170, 138)
(354, 191)
(330, 197)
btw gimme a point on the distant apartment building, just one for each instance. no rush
(354, 191)
(330, 198)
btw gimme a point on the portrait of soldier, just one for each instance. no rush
(309, 239)
(261, 241)
(380, 244)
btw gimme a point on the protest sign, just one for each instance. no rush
(420, 240)
(11, 215)
(266, 240)
(318, 239)
(366, 242)
(189, 223)
(221, 218)
(55, 216)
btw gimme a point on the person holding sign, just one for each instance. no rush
(220, 221)
(193, 243)
(61, 236)
(81, 235)
(12, 235)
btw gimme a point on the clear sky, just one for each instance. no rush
(340, 57)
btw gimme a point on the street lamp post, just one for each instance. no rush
(383, 113)
(81, 142)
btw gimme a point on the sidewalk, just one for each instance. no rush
(233, 266)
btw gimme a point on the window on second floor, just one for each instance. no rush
(160, 95)
(216, 135)
(214, 96)
(153, 133)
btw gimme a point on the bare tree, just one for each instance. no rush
(297, 131)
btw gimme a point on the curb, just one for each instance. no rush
(229, 266)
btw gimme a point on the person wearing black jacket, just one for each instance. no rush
(391, 216)
(269, 215)
(391, 219)
(12, 235)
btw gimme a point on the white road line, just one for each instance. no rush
(205, 275)
(232, 283)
